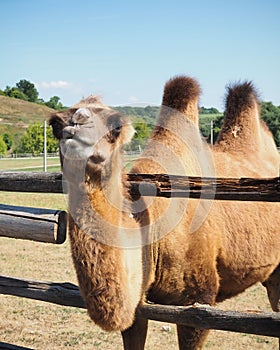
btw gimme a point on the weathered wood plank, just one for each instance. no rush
(240, 189)
(206, 317)
(41, 182)
(66, 294)
(161, 185)
(37, 224)
(200, 316)
(6, 346)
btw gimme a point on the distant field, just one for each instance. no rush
(36, 163)
(29, 164)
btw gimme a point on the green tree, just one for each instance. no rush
(54, 103)
(205, 125)
(33, 140)
(271, 115)
(8, 140)
(212, 110)
(3, 147)
(15, 93)
(142, 132)
(28, 89)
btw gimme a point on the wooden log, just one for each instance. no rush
(161, 185)
(199, 316)
(237, 189)
(6, 346)
(40, 182)
(66, 294)
(206, 317)
(41, 225)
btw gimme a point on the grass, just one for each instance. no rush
(40, 325)
(14, 109)
(29, 164)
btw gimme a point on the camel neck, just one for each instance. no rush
(106, 249)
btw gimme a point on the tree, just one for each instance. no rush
(3, 147)
(142, 133)
(205, 125)
(271, 115)
(7, 138)
(15, 93)
(28, 89)
(33, 140)
(212, 110)
(54, 103)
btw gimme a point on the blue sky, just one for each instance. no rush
(125, 51)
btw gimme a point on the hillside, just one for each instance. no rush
(16, 115)
(14, 108)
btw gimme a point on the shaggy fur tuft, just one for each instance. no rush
(240, 96)
(179, 91)
(241, 129)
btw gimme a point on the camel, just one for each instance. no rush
(127, 251)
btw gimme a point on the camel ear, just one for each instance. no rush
(128, 133)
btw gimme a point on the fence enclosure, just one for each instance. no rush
(50, 226)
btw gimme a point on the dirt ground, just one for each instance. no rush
(40, 325)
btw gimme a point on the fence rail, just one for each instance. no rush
(41, 225)
(161, 185)
(198, 316)
(28, 155)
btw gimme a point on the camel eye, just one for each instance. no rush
(115, 127)
(118, 129)
(114, 134)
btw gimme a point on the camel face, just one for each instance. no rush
(90, 134)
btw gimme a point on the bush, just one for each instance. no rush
(33, 140)
(8, 140)
(3, 147)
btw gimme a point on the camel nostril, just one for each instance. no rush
(97, 159)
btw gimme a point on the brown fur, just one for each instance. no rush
(236, 244)
(244, 138)
(178, 94)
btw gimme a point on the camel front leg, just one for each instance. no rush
(272, 285)
(190, 338)
(134, 337)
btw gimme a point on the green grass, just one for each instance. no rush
(36, 164)
(29, 164)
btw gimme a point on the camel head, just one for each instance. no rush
(89, 132)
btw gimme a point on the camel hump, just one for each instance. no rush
(182, 93)
(241, 128)
(240, 97)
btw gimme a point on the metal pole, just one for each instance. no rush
(45, 145)
(211, 135)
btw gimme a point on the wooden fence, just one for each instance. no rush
(199, 316)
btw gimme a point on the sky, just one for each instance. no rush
(124, 51)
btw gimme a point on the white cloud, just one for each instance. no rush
(60, 84)
(133, 99)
